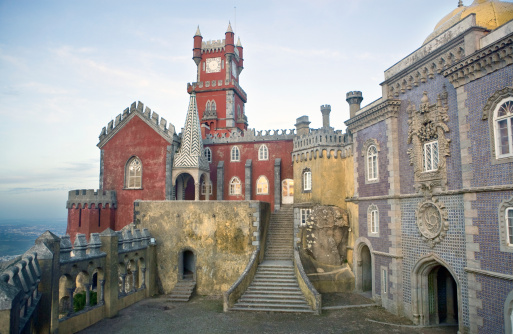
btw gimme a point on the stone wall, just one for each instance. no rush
(221, 234)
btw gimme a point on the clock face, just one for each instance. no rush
(214, 65)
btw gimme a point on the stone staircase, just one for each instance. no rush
(274, 287)
(182, 291)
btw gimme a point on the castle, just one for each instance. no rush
(412, 205)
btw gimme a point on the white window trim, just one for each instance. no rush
(496, 131)
(384, 280)
(509, 227)
(372, 164)
(307, 180)
(208, 154)
(235, 154)
(373, 221)
(263, 152)
(129, 177)
(262, 177)
(503, 210)
(429, 146)
(233, 186)
(203, 188)
(304, 214)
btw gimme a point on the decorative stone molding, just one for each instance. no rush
(429, 123)
(366, 118)
(432, 220)
(365, 148)
(488, 114)
(481, 63)
(249, 135)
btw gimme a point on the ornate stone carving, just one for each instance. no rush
(432, 222)
(429, 124)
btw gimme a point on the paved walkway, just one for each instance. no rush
(205, 315)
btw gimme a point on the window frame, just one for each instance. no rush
(431, 145)
(306, 177)
(208, 154)
(372, 163)
(373, 220)
(235, 184)
(304, 214)
(506, 225)
(203, 187)
(258, 192)
(235, 154)
(129, 177)
(263, 152)
(496, 130)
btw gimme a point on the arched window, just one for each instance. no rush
(133, 174)
(263, 152)
(213, 106)
(307, 180)
(235, 155)
(204, 188)
(503, 122)
(373, 220)
(235, 186)
(262, 185)
(207, 107)
(372, 163)
(208, 154)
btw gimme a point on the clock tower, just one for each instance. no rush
(220, 99)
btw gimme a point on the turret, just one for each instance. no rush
(196, 52)
(354, 99)
(229, 48)
(325, 110)
(302, 126)
(241, 56)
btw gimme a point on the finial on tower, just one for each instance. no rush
(198, 32)
(460, 3)
(229, 29)
(238, 41)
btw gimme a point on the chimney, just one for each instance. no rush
(325, 110)
(354, 99)
(302, 126)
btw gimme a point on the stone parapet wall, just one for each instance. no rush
(87, 198)
(249, 135)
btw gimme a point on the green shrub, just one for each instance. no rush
(79, 300)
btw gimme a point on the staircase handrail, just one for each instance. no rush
(313, 297)
(239, 287)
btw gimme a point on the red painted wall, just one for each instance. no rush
(135, 139)
(90, 220)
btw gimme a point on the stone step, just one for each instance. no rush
(275, 306)
(270, 300)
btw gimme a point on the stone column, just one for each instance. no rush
(220, 180)
(196, 191)
(109, 240)
(88, 298)
(134, 282)
(123, 282)
(143, 284)
(277, 184)
(102, 292)
(208, 187)
(248, 180)
(70, 292)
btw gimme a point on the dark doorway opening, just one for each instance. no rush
(366, 269)
(188, 265)
(443, 297)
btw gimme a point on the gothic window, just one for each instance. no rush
(506, 225)
(263, 152)
(430, 156)
(509, 226)
(207, 107)
(235, 186)
(262, 185)
(133, 174)
(503, 122)
(213, 105)
(305, 213)
(372, 163)
(204, 188)
(307, 180)
(235, 154)
(373, 220)
(208, 154)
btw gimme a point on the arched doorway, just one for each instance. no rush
(187, 265)
(185, 189)
(366, 263)
(287, 191)
(435, 293)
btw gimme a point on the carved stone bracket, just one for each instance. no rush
(431, 218)
(429, 123)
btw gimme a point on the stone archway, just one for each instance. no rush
(364, 270)
(187, 265)
(436, 295)
(186, 184)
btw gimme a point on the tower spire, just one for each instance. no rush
(198, 32)
(229, 29)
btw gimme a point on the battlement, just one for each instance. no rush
(355, 93)
(158, 123)
(86, 198)
(249, 135)
(325, 107)
(324, 137)
(198, 86)
(213, 46)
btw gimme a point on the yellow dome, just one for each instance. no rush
(490, 14)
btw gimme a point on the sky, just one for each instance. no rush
(69, 67)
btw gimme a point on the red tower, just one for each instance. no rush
(220, 98)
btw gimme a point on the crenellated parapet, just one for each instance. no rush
(213, 46)
(312, 145)
(159, 124)
(86, 198)
(217, 84)
(249, 135)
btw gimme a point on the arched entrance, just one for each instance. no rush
(187, 265)
(287, 191)
(366, 276)
(185, 189)
(363, 266)
(435, 293)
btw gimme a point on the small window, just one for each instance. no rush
(263, 152)
(235, 155)
(208, 154)
(385, 280)
(133, 174)
(430, 156)
(503, 121)
(305, 213)
(213, 105)
(372, 163)
(205, 187)
(207, 106)
(262, 186)
(373, 220)
(307, 180)
(509, 226)
(235, 186)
